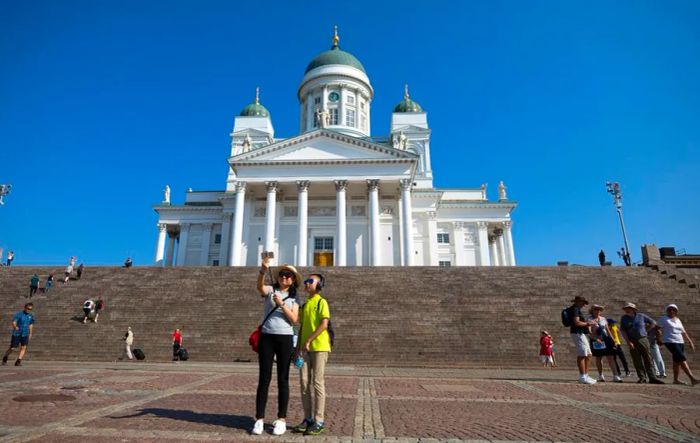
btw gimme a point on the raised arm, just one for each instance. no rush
(263, 289)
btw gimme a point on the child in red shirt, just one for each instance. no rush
(546, 345)
(177, 344)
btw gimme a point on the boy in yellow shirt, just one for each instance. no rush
(314, 345)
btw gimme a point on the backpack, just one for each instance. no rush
(331, 331)
(566, 319)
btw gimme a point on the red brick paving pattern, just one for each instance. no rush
(492, 421)
(454, 388)
(410, 407)
(32, 413)
(220, 413)
(625, 393)
(680, 419)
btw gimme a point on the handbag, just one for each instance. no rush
(254, 338)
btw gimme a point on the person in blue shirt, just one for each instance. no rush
(22, 326)
(634, 326)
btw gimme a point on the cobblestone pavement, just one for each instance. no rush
(186, 402)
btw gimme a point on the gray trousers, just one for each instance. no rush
(641, 356)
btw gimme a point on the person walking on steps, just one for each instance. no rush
(22, 328)
(314, 346)
(33, 285)
(128, 341)
(88, 308)
(281, 311)
(49, 283)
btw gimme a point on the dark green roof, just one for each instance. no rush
(408, 105)
(335, 56)
(255, 110)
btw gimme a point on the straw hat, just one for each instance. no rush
(290, 268)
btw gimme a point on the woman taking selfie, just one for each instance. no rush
(281, 311)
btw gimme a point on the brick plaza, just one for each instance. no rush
(145, 402)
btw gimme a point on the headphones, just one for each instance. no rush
(321, 281)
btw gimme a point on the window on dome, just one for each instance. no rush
(351, 99)
(334, 116)
(350, 118)
(315, 119)
(317, 100)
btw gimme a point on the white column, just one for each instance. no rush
(270, 216)
(494, 251)
(341, 108)
(483, 243)
(501, 248)
(224, 248)
(432, 244)
(507, 225)
(303, 222)
(342, 222)
(160, 246)
(373, 187)
(182, 243)
(407, 220)
(234, 258)
(171, 250)
(206, 239)
(458, 240)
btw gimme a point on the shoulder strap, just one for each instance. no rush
(271, 312)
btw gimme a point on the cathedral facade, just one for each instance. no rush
(335, 195)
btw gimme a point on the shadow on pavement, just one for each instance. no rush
(228, 420)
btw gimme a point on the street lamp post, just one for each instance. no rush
(614, 189)
(4, 190)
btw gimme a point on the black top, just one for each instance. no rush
(575, 311)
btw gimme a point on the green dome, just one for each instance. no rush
(407, 105)
(335, 56)
(254, 110)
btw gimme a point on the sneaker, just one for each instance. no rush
(695, 382)
(628, 374)
(601, 378)
(279, 427)
(585, 380)
(303, 426)
(258, 427)
(641, 381)
(315, 429)
(18, 362)
(656, 381)
(4, 360)
(617, 379)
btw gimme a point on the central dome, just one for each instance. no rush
(335, 56)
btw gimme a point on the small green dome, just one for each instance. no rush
(407, 105)
(255, 109)
(335, 56)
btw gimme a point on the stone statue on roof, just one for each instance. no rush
(166, 195)
(502, 191)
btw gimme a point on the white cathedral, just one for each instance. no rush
(335, 195)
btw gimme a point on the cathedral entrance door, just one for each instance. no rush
(323, 251)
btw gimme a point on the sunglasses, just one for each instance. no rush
(286, 275)
(309, 281)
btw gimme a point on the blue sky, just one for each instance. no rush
(103, 103)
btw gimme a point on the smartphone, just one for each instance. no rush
(267, 254)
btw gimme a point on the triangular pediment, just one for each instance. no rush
(323, 145)
(411, 129)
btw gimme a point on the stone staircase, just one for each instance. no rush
(420, 316)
